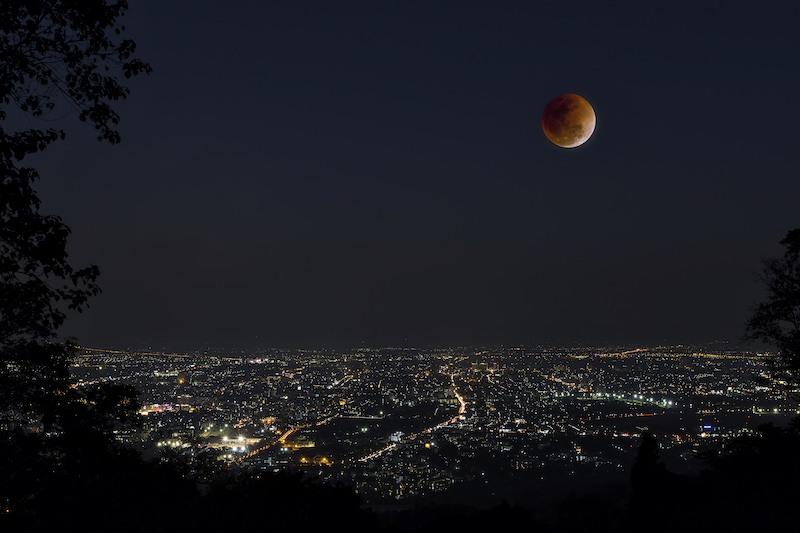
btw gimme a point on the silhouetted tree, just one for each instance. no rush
(753, 481)
(777, 320)
(55, 55)
(660, 500)
(647, 467)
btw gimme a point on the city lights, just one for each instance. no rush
(390, 412)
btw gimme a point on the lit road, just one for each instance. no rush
(282, 438)
(462, 407)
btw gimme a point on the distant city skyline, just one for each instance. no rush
(396, 423)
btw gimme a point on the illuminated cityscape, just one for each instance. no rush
(401, 267)
(400, 423)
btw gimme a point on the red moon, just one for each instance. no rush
(568, 120)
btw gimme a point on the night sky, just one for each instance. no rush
(345, 174)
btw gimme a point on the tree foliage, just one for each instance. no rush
(66, 49)
(776, 321)
(55, 56)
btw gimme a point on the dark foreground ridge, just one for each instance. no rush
(749, 483)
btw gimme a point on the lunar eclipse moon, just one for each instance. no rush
(568, 120)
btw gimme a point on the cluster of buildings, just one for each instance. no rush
(399, 423)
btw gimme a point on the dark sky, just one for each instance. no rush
(375, 173)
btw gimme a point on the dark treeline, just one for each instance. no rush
(749, 483)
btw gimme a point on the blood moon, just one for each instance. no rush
(568, 120)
